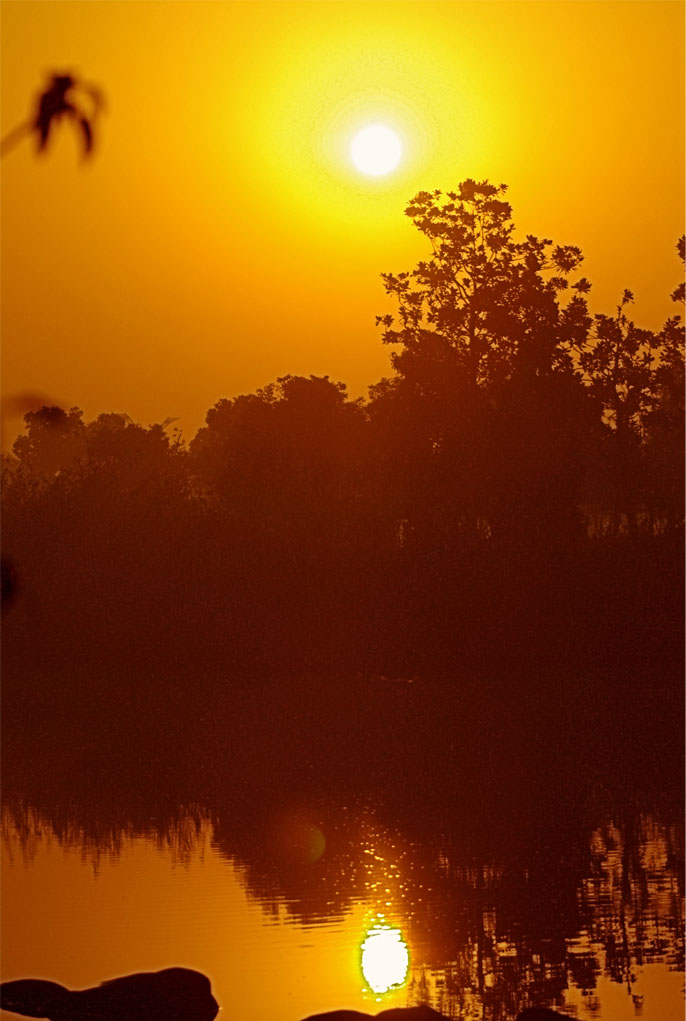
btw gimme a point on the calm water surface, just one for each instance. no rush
(315, 920)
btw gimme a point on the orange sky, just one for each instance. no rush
(221, 237)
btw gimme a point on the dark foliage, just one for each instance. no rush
(62, 98)
(514, 490)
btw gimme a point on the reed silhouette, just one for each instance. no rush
(175, 994)
(542, 1014)
(419, 1013)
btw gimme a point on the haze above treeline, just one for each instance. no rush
(220, 236)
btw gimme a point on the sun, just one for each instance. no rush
(376, 150)
(385, 958)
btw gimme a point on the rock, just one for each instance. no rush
(175, 994)
(421, 1013)
(543, 1014)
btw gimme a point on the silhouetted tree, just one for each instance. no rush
(298, 435)
(664, 423)
(55, 439)
(134, 455)
(283, 469)
(620, 363)
(483, 333)
(484, 304)
(450, 512)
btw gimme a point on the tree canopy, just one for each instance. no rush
(518, 436)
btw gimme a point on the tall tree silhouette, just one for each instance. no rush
(483, 331)
(620, 363)
(664, 424)
(483, 303)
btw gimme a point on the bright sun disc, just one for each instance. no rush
(376, 150)
(385, 958)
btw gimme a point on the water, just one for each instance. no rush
(282, 939)
(480, 843)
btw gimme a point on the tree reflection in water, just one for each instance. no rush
(524, 836)
(482, 935)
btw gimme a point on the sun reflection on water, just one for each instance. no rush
(385, 957)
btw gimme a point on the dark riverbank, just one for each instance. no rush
(605, 604)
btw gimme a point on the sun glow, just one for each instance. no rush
(376, 150)
(385, 958)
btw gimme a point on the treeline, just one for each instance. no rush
(516, 482)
